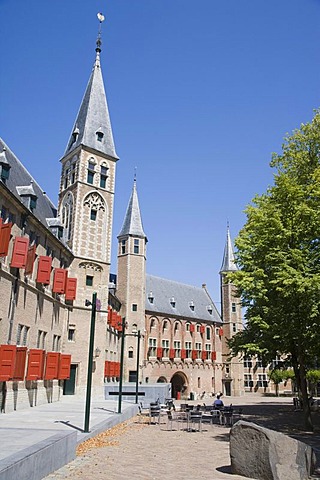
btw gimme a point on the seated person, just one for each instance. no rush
(218, 403)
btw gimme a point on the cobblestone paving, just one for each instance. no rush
(151, 452)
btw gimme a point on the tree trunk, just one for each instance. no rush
(305, 401)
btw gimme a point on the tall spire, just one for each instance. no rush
(132, 224)
(228, 262)
(92, 127)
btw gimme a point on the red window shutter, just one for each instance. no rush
(220, 332)
(202, 329)
(194, 354)
(64, 366)
(35, 364)
(159, 352)
(7, 362)
(52, 365)
(183, 354)
(31, 256)
(20, 252)
(204, 355)
(117, 369)
(106, 368)
(191, 328)
(114, 320)
(20, 364)
(71, 289)
(213, 356)
(112, 367)
(119, 323)
(109, 315)
(59, 280)
(5, 233)
(44, 270)
(171, 353)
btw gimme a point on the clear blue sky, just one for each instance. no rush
(200, 92)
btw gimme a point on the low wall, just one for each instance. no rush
(21, 395)
(147, 392)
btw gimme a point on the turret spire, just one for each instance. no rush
(92, 127)
(228, 262)
(132, 224)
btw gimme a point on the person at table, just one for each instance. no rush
(218, 403)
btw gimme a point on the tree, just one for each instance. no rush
(276, 376)
(278, 254)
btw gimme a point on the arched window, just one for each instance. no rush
(67, 215)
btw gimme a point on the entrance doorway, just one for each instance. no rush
(69, 385)
(179, 385)
(227, 389)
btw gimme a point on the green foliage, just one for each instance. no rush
(276, 376)
(313, 376)
(278, 254)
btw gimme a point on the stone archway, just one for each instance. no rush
(179, 384)
(162, 380)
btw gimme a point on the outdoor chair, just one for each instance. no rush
(179, 418)
(195, 419)
(154, 413)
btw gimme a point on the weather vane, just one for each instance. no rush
(101, 19)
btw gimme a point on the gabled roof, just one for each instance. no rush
(228, 262)
(93, 117)
(174, 298)
(132, 224)
(20, 177)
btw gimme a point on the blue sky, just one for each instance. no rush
(200, 94)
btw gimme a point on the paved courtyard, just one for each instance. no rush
(137, 450)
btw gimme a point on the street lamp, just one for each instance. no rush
(123, 335)
(93, 304)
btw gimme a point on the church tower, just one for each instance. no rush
(232, 322)
(131, 279)
(86, 199)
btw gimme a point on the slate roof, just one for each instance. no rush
(93, 116)
(132, 224)
(228, 262)
(20, 177)
(163, 291)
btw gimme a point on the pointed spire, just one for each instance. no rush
(132, 224)
(92, 127)
(228, 262)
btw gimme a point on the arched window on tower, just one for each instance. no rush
(103, 175)
(67, 215)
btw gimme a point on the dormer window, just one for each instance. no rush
(33, 202)
(209, 308)
(4, 166)
(173, 302)
(191, 305)
(75, 134)
(100, 135)
(150, 297)
(28, 196)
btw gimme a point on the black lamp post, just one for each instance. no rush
(123, 335)
(90, 359)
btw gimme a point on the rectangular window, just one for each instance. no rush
(262, 380)
(165, 347)
(233, 307)
(56, 343)
(130, 354)
(247, 362)
(89, 280)
(134, 307)
(188, 349)
(177, 349)
(41, 341)
(208, 350)
(234, 327)
(152, 347)
(71, 334)
(22, 335)
(208, 333)
(93, 214)
(123, 247)
(136, 246)
(103, 176)
(198, 349)
(90, 177)
(248, 380)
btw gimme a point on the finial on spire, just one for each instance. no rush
(98, 42)
(135, 175)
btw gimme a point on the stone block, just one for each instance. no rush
(263, 454)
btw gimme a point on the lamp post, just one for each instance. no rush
(90, 359)
(123, 335)
(138, 358)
